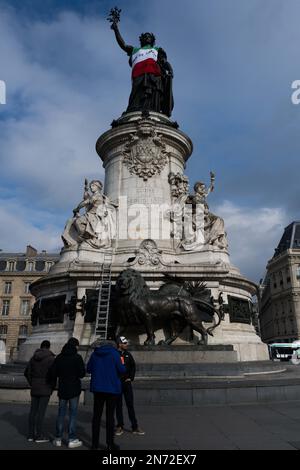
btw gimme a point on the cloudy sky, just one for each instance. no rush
(234, 63)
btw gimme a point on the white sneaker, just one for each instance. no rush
(74, 443)
(119, 431)
(57, 442)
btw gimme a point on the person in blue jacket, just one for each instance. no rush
(106, 369)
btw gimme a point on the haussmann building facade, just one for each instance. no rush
(280, 292)
(17, 272)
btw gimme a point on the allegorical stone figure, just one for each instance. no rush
(214, 228)
(192, 217)
(97, 226)
(152, 74)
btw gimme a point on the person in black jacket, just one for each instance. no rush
(36, 375)
(127, 392)
(69, 368)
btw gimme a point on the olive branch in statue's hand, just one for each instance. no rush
(114, 17)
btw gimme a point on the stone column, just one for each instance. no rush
(138, 156)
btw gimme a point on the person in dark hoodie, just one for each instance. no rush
(68, 368)
(36, 375)
(106, 368)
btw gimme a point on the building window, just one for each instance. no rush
(25, 307)
(30, 266)
(2, 265)
(21, 265)
(23, 331)
(5, 308)
(3, 330)
(298, 272)
(40, 265)
(280, 278)
(26, 287)
(8, 287)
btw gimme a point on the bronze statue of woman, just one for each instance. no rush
(152, 74)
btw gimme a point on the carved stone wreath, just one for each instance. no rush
(148, 253)
(145, 154)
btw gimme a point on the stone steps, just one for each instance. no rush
(175, 370)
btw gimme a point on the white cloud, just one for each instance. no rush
(19, 228)
(253, 235)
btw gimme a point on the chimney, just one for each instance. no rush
(30, 251)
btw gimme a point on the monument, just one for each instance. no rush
(143, 254)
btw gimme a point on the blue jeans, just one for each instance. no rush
(62, 411)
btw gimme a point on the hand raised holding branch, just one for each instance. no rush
(114, 17)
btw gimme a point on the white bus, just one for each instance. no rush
(285, 352)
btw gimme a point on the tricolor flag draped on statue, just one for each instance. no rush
(144, 60)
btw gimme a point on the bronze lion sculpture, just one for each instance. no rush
(173, 303)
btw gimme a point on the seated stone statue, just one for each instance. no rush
(214, 231)
(97, 226)
(200, 226)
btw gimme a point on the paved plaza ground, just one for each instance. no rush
(232, 427)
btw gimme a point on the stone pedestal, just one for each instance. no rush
(183, 354)
(57, 334)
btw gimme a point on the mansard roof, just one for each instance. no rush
(290, 239)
